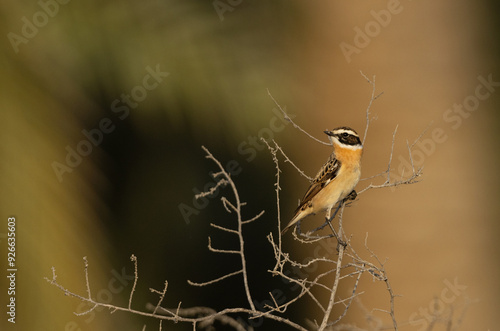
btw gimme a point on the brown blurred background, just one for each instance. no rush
(67, 69)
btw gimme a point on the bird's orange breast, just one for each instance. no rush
(349, 157)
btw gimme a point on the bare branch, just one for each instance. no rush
(228, 205)
(287, 159)
(87, 284)
(372, 99)
(331, 301)
(349, 300)
(388, 285)
(277, 190)
(133, 258)
(316, 277)
(215, 280)
(285, 115)
(237, 208)
(421, 134)
(225, 251)
(220, 183)
(223, 228)
(162, 295)
(416, 173)
(256, 217)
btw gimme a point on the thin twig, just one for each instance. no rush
(256, 217)
(162, 295)
(224, 251)
(237, 208)
(287, 159)
(223, 228)
(133, 258)
(87, 283)
(277, 190)
(215, 280)
(388, 285)
(413, 178)
(285, 115)
(372, 99)
(331, 301)
(212, 190)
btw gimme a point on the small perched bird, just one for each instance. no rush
(336, 179)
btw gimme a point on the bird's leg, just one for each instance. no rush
(333, 230)
(298, 228)
(329, 221)
(350, 196)
(319, 227)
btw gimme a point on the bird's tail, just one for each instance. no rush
(299, 214)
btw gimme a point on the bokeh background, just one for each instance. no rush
(68, 66)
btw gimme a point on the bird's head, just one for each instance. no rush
(345, 137)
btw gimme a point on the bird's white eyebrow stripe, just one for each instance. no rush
(346, 131)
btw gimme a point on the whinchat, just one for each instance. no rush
(337, 178)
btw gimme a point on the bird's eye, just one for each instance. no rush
(345, 134)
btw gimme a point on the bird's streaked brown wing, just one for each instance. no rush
(326, 174)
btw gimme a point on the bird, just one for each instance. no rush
(337, 178)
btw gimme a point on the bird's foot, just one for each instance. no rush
(351, 196)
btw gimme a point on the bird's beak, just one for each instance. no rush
(328, 133)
